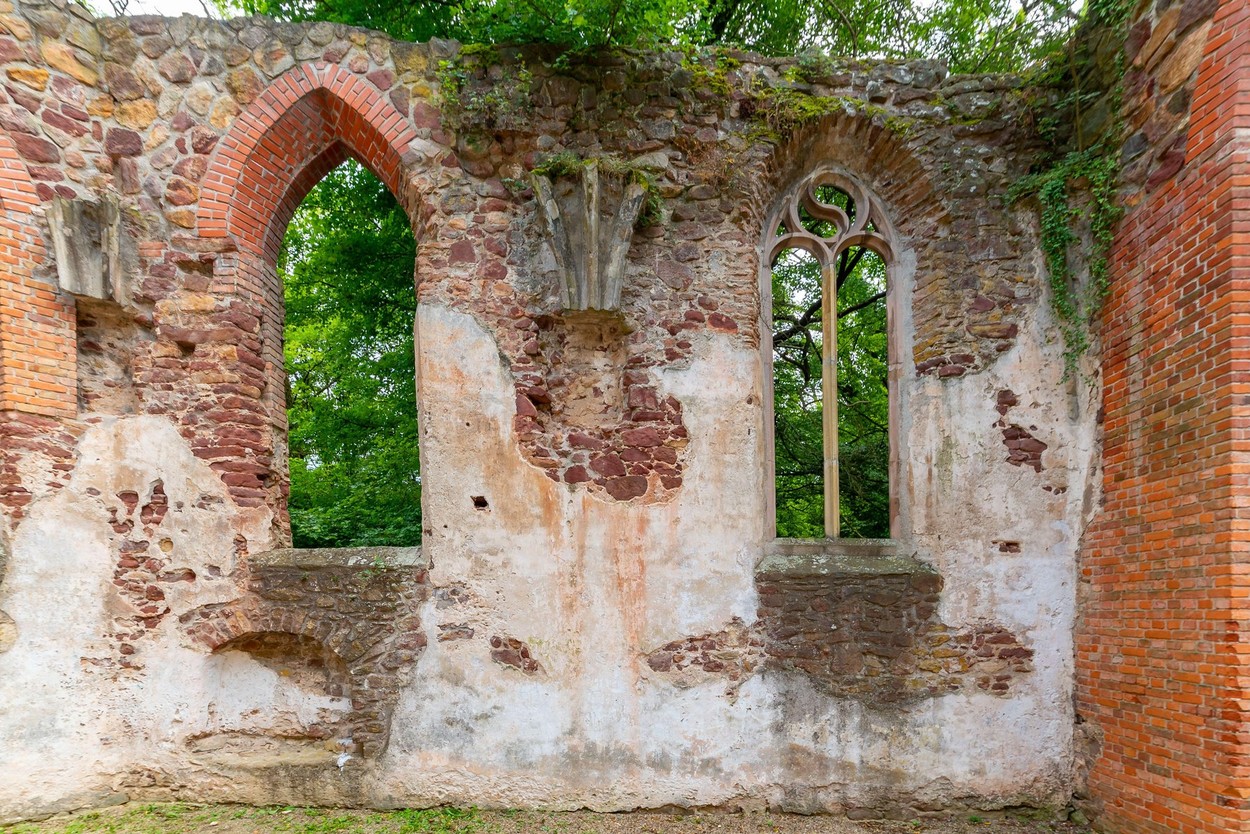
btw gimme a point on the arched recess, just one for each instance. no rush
(873, 165)
(38, 360)
(302, 126)
(366, 647)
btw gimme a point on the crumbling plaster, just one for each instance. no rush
(516, 666)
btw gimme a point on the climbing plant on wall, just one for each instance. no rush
(1075, 183)
(347, 263)
(353, 439)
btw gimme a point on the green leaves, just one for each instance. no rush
(863, 397)
(969, 35)
(347, 263)
(1092, 173)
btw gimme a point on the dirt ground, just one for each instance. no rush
(233, 819)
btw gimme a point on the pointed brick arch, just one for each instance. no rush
(296, 131)
(38, 373)
(301, 126)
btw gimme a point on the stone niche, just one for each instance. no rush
(341, 623)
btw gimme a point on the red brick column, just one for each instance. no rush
(1162, 644)
(38, 358)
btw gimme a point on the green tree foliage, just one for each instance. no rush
(347, 263)
(412, 20)
(970, 35)
(862, 391)
(574, 24)
(349, 253)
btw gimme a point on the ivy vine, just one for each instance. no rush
(1094, 172)
(1088, 171)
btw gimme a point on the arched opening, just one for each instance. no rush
(294, 137)
(830, 363)
(346, 265)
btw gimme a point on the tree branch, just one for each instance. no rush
(800, 324)
(855, 308)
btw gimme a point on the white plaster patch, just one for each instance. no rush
(73, 717)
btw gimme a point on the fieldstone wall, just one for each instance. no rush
(875, 633)
(863, 628)
(592, 619)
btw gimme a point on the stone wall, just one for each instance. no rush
(1161, 642)
(598, 616)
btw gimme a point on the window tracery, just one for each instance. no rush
(825, 227)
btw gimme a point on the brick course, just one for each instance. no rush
(1161, 684)
(37, 373)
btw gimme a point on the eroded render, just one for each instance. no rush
(599, 615)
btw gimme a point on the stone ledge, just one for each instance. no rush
(341, 557)
(838, 557)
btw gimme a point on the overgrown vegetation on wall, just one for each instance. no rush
(1079, 90)
(969, 35)
(353, 438)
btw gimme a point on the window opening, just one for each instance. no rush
(831, 365)
(347, 264)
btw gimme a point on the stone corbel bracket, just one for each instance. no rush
(590, 254)
(94, 255)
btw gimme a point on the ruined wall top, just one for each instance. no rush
(205, 135)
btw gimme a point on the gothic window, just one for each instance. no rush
(829, 252)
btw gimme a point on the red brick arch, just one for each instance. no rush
(38, 361)
(299, 128)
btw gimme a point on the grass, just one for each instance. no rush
(180, 818)
(184, 818)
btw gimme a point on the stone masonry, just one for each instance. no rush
(598, 616)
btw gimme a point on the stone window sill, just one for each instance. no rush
(313, 558)
(839, 557)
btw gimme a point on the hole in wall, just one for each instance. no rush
(480, 502)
